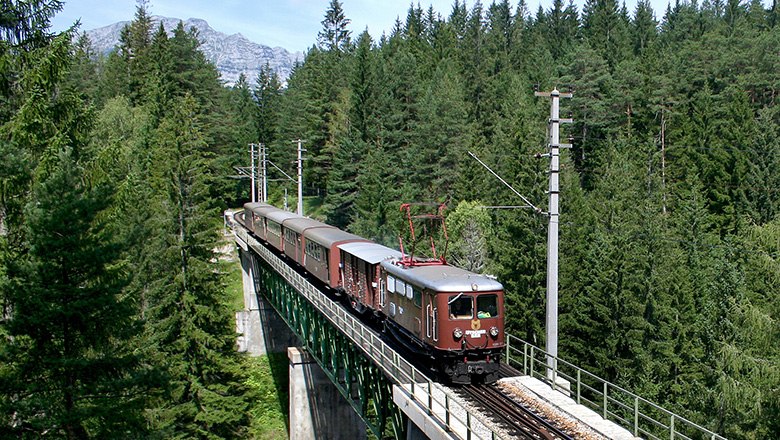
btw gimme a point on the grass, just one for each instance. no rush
(234, 290)
(269, 380)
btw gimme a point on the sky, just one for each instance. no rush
(291, 24)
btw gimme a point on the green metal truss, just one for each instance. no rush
(358, 379)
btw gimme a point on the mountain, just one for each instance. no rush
(232, 54)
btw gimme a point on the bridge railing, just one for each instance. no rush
(640, 416)
(439, 402)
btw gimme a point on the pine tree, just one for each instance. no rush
(644, 27)
(560, 28)
(83, 75)
(189, 324)
(592, 120)
(334, 35)
(610, 308)
(241, 109)
(762, 182)
(364, 88)
(441, 137)
(267, 90)
(134, 43)
(70, 370)
(25, 25)
(342, 186)
(605, 29)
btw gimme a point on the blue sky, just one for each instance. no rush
(291, 24)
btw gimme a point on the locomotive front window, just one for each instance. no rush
(461, 306)
(417, 297)
(487, 306)
(391, 284)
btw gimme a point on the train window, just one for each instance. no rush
(391, 284)
(274, 228)
(487, 306)
(417, 298)
(290, 236)
(314, 250)
(409, 291)
(461, 306)
(400, 287)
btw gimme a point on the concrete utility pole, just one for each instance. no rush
(254, 191)
(300, 175)
(264, 171)
(552, 229)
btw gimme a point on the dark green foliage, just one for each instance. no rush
(107, 220)
(266, 94)
(342, 184)
(190, 327)
(70, 367)
(24, 25)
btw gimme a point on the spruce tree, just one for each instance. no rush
(605, 29)
(190, 326)
(134, 43)
(69, 367)
(644, 27)
(334, 35)
(266, 94)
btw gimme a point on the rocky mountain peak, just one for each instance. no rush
(232, 54)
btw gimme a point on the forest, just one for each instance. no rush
(116, 169)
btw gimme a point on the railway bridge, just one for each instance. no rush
(347, 382)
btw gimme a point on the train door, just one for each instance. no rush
(431, 323)
(382, 289)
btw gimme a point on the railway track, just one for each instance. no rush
(517, 421)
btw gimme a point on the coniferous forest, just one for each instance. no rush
(116, 169)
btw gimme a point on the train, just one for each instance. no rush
(449, 318)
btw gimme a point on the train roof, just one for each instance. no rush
(264, 210)
(279, 215)
(369, 252)
(442, 278)
(255, 205)
(301, 224)
(330, 236)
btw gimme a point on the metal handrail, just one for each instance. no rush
(614, 399)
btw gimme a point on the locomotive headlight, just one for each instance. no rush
(457, 333)
(494, 331)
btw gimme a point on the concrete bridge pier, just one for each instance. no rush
(317, 409)
(261, 329)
